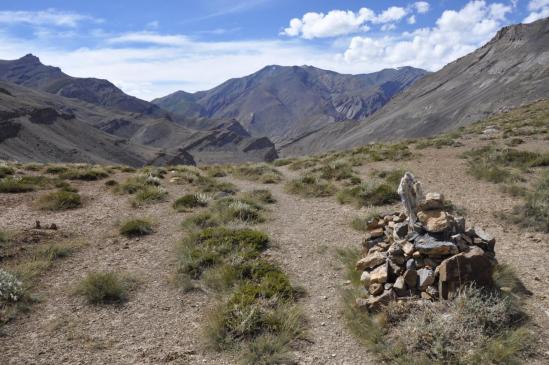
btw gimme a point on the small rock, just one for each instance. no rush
(380, 274)
(370, 261)
(400, 231)
(408, 249)
(488, 239)
(53, 226)
(426, 278)
(378, 232)
(400, 283)
(37, 225)
(375, 303)
(426, 296)
(375, 289)
(365, 279)
(429, 246)
(410, 264)
(410, 278)
(434, 220)
(432, 201)
(388, 286)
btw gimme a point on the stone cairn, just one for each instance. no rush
(424, 252)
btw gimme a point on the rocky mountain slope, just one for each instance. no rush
(510, 70)
(101, 113)
(285, 103)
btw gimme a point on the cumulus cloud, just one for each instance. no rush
(422, 6)
(412, 19)
(539, 9)
(342, 22)
(45, 17)
(455, 34)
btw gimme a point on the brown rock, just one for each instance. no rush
(434, 220)
(370, 261)
(380, 274)
(429, 246)
(432, 201)
(426, 278)
(464, 268)
(408, 249)
(365, 279)
(410, 278)
(378, 232)
(376, 303)
(375, 288)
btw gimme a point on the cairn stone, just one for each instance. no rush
(473, 266)
(425, 252)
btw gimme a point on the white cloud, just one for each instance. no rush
(149, 38)
(422, 6)
(539, 9)
(412, 20)
(334, 23)
(456, 33)
(45, 17)
(394, 13)
(153, 24)
(387, 27)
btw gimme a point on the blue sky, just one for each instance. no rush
(152, 48)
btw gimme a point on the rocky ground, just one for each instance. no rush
(161, 324)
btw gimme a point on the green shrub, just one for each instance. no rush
(201, 220)
(210, 247)
(335, 171)
(361, 224)
(136, 228)
(111, 183)
(369, 194)
(262, 172)
(105, 287)
(149, 195)
(534, 213)
(310, 186)
(283, 162)
(6, 170)
(260, 195)
(85, 173)
(15, 185)
(189, 201)
(230, 209)
(55, 169)
(59, 200)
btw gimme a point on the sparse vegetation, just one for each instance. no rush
(361, 223)
(479, 326)
(59, 200)
(259, 172)
(6, 170)
(201, 220)
(149, 195)
(190, 201)
(85, 173)
(230, 209)
(136, 228)
(258, 311)
(24, 184)
(534, 212)
(261, 195)
(335, 171)
(310, 186)
(438, 142)
(105, 287)
(367, 194)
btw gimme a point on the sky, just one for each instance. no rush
(152, 48)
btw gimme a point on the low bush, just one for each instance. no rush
(59, 200)
(361, 223)
(201, 220)
(23, 184)
(11, 289)
(136, 228)
(105, 287)
(262, 173)
(111, 183)
(6, 170)
(149, 195)
(257, 312)
(260, 195)
(190, 201)
(369, 194)
(230, 209)
(335, 171)
(534, 212)
(85, 173)
(310, 186)
(55, 169)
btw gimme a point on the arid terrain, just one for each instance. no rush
(162, 323)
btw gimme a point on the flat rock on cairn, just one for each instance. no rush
(424, 252)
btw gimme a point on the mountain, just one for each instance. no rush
(286, 103)
(509, 70)
(104, 113)
(30, 72)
